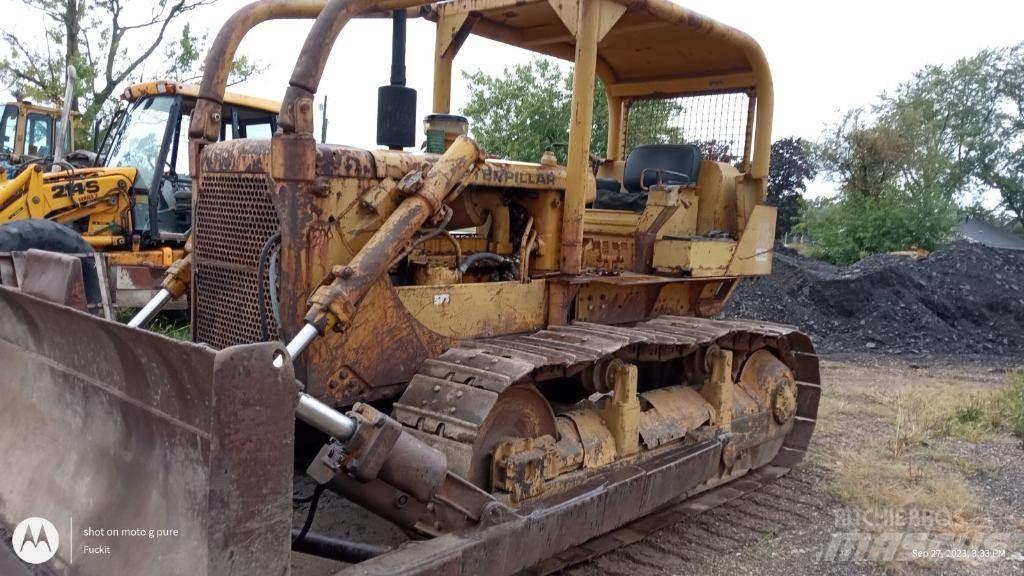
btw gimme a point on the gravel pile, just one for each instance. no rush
(965, 299)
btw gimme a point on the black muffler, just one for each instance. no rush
(396, 103)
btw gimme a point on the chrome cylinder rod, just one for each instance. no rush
(302, 340)
(324, 418)
(150, 310)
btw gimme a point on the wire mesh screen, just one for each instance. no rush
(716, 123)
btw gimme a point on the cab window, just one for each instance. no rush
(38, 135)
(8, 127)
(251, 123)
(257, 129)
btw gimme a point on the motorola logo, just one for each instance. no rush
(35, 540)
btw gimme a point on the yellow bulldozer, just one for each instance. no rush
(515, 378)
(130, 200)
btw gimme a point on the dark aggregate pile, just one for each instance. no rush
(964, 299)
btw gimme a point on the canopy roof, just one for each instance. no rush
(644, 47)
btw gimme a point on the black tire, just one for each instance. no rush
(49, 235)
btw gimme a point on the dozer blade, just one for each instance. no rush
(148, 455)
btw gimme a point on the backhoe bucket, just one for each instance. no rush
(147, 455)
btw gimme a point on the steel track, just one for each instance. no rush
(448, 400)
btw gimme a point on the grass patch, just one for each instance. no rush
(945, 411)
(964, 465)
(173, 324)
(1009, 407)
(985, 414)
(871, 478)
(895, 459)
(175, 328)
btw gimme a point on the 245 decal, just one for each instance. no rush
(86, 187)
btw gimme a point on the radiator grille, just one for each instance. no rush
(234, 217)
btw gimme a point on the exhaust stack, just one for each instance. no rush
(396, 103)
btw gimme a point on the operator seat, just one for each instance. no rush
(679, 164)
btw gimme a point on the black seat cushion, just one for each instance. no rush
(681, 159)
(632, 201)
(608, 184)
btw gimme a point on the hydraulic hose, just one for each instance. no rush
(479, 256)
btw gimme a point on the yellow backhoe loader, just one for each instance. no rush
(131, 200)
(27, 132)
(516, 380)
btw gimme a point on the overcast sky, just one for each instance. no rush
(826, 56)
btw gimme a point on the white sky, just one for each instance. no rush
(826, 56)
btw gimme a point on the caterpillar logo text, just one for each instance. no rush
(35, 540)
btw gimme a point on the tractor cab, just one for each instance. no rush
(28, 131)
(150, 133)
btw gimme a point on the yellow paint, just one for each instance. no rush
(465, 311)
(716, 189)
(754, 252)
(160, 87)
(160, 257)
(99, 194)
(622, 410)
(701, 257)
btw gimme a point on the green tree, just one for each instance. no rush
(182, 60)
(893, 188)
(520, 113)
(851, 226)
(1003, 167)
(862, 156)
(907, 164)
(107, 41)
(954, 130)
(653, 122)
(792, 165)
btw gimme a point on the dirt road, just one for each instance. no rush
(885, 468)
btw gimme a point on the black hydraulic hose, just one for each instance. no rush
(301, 534)
(336, 548)
(261, 271)
(477, 257)
(425, 235)
(275, 264)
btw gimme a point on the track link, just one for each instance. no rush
(447, 402)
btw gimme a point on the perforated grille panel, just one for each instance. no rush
(719, 124)
(234, 218)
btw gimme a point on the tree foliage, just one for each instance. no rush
(525, 110)
(792, 166)
(952, 130)
(908, 163)
(109, 42)
(1003, 167)
(847, 228)
(519, 114)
